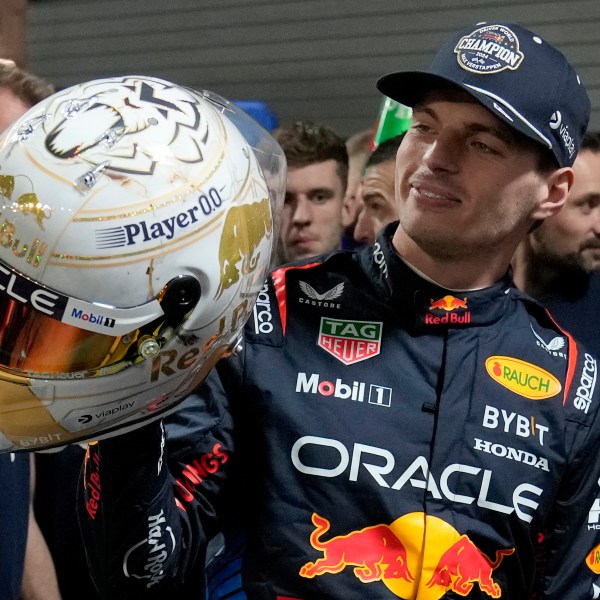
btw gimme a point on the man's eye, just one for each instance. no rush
(421, 127)
(585, 208)
(483, 147)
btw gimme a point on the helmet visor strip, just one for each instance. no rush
(44, 332)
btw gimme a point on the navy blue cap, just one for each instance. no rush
(514, 73)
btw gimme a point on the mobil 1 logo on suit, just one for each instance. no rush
(350, 341)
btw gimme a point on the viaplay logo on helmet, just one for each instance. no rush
(489, 49)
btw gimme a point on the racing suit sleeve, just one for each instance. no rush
(571, 536)
(149, 502)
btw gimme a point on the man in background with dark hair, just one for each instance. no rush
(317, 177)
(378, 205)
(559, 262)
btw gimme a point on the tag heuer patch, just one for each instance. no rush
(350, 341)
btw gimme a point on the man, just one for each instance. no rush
(377, 191)
(559, 262)
(311, 223)
(26, 568)
(395, 431)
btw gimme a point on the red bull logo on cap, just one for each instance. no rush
(449, 305)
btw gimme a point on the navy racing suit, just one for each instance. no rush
(379, 437)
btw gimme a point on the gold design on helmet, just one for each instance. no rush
(244, 229)
(27, 203)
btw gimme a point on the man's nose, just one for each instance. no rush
(302, 210)
(443, 153)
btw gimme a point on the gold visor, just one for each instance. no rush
(32, 343)
(44, 333)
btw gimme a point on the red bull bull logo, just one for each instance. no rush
(27, 204)
(244, 229)
(463, 566)
(492, 36)
(417, 556)
(448, 304)
(375, 552)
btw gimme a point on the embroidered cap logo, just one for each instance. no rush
(489, 49)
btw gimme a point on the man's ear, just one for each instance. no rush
(557, 186)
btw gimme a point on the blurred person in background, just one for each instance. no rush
(317, 177)
(377, 199)
(559, 262)
(26, 567)
(359, 146)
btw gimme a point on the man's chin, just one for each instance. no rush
(590, 260)
(575, 263)
(301, 253)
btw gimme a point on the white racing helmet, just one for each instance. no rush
(137, 221)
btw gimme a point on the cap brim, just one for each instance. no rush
(408, 87)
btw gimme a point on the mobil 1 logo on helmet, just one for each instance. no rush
(350, 341)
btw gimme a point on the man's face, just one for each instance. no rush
(311, 223)
(466, 185)
(11, 108)
(570, 240)
(379, 204)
